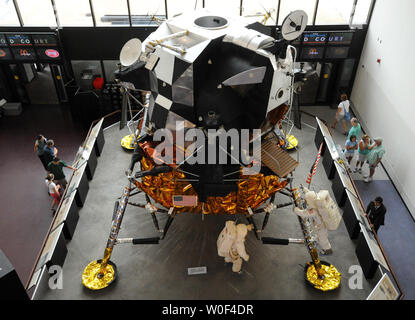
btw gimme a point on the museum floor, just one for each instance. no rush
(25, 214)
(160, 271)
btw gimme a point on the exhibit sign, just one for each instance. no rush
(30, 47)
(384, 290)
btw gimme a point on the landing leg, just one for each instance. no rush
(101, 273)
(321, 275)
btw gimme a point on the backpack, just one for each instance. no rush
(346, 112)
(328, 209)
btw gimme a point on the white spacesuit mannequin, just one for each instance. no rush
(323, 214)
(231, 244)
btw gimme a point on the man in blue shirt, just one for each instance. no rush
(50, 151)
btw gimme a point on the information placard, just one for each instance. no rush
(384, 290)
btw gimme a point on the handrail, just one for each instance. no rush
(364, 209)
(63, 197)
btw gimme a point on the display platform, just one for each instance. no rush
(161, 271)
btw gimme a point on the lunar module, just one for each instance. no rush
(209, 78)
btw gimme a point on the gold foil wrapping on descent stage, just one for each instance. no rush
(90, 277)
(330, 280)
(252, 191)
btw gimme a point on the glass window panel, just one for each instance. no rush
(361, 12)
(288, 6)
(145, 12)
(111, 13)
(334, 11)
(264, 11)
(74, 13)
(227, 8)
(37, 13)
(8, 15)
(175, 7)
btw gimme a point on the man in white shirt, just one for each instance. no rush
(343, 113)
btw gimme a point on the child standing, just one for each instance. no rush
(362, 152)
(351, 146)
(53, 190)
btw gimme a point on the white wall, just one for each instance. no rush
(384, 94)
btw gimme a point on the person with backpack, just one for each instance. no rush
(343, 113)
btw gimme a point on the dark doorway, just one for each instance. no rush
(41, 89)
(326, 81)
(31, 83)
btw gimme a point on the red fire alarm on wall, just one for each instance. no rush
(378, 60)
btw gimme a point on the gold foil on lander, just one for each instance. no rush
(252, 191)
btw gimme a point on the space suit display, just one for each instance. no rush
(231, 244)
(324, 215)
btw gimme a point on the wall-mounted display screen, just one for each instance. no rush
(48, 53)
(3, 40)
(5, 54)
(314, 38)
(19, 40)
(24, 54)
(337, 52)
(340, 38)
(312, 53)
(44, 40)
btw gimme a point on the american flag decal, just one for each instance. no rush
(314, 167)
(185, 201)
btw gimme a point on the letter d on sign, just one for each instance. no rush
(55, 280)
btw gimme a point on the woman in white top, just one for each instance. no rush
(343, 113)
(53, 190)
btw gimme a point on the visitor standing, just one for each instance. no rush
(53, 190)
(362, 152)
(376, 211)
(355, 129)
(56, 168)
(50, 151)
(350, 147)
(39, 147)
(374, 157)
(343, 113)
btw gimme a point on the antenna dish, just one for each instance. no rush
(294, 25)
(130, 52)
